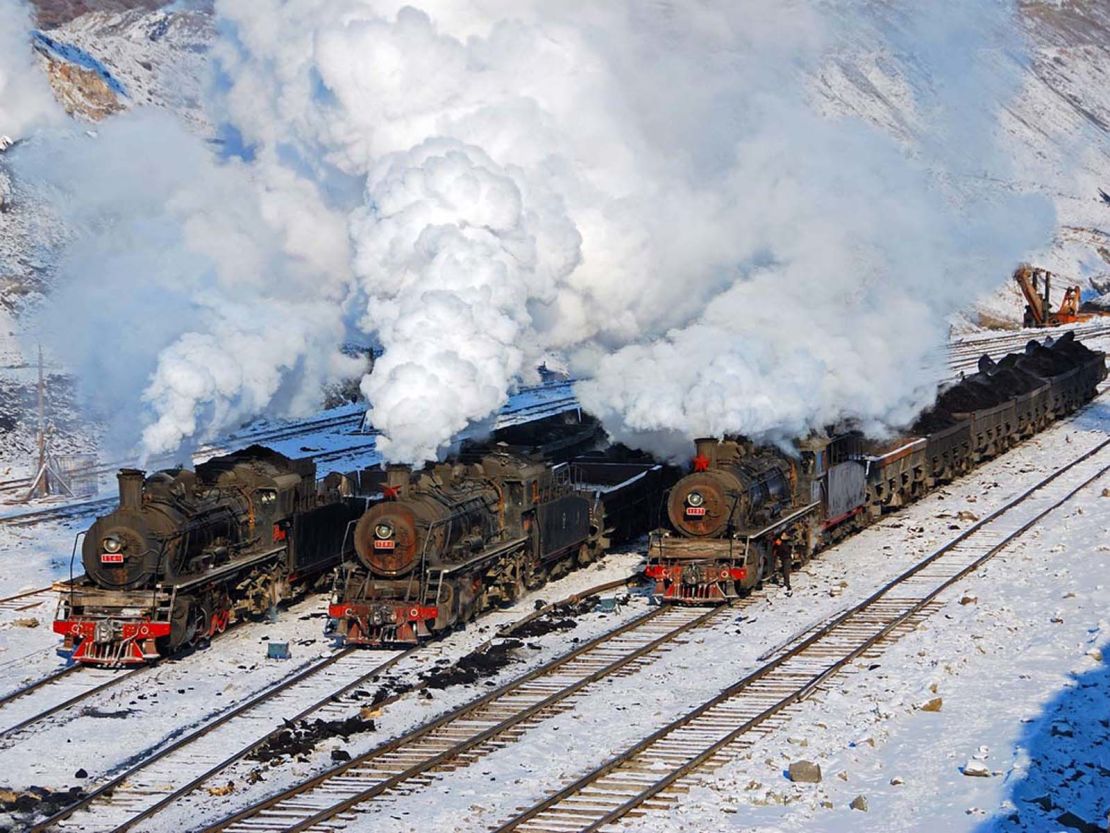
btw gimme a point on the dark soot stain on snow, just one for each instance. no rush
(560, 618)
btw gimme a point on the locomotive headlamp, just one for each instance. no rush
(112, 544)
(695, 499)
(383, 531)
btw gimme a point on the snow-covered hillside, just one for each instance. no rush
(158, 57)
(1057, 132)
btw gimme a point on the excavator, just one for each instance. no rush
(1038, 312)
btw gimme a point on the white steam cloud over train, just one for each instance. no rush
(651, 191)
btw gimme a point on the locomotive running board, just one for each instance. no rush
(232, 566)
(784, 521)
(497, 551)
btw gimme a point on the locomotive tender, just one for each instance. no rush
(186, 553)
(740, 504)
(454, 540)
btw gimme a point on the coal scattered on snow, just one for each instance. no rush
(299, 739)
(302, 738)
(561, 617)
(473, 667)
(22, 805)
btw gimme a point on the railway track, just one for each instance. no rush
(653, 774)
(30, 517)
(33, 703)
(324, 690)
(27, 600)
(963, 356)
(473, 730)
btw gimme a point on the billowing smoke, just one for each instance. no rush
(25, 98)
(186, 299)
(650, 189)
(452, 253)
(660, 192)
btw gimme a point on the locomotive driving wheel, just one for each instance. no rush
(219, 622)
(198, 627)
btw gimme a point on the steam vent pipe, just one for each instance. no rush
(130, 488)
(397, 478)
(706, 447)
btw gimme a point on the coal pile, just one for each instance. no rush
(390, 690)
(303, 737)
(473, 667)
(36, 801)
(997, 383)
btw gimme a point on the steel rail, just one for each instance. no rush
(106, 790)
(518, 714)
(10, 602)
(210, 449)
(50, 711)
(39, 683)
(593, 821)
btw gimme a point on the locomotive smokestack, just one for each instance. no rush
(397, 479)
(706, 447)
(130, 488)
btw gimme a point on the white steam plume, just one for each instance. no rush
(26, 101)
(192, 296)
(452, 254)
(648, 188)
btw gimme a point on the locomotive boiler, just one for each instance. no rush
(186, 553)
(448, 542)
(727, 514)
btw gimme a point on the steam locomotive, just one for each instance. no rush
(453, 540)
(742, 507)
(185, 554)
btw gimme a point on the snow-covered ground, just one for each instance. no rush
(112, 729)
(1017, 657)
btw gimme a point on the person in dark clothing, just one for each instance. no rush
(782, 556)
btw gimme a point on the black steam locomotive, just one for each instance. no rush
(453, 540)
(743, 508)
(186, 554)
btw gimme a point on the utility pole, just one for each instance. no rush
(44, 470)
(46, 475)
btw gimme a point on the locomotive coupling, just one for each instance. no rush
(107, 630)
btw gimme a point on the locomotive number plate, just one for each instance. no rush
(695, 510)
(111, 558)
(385, 545)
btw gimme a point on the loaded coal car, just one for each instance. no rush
(455, 539)
(742, 508)
(187, 553)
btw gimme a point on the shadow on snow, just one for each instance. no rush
(1065, 784)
